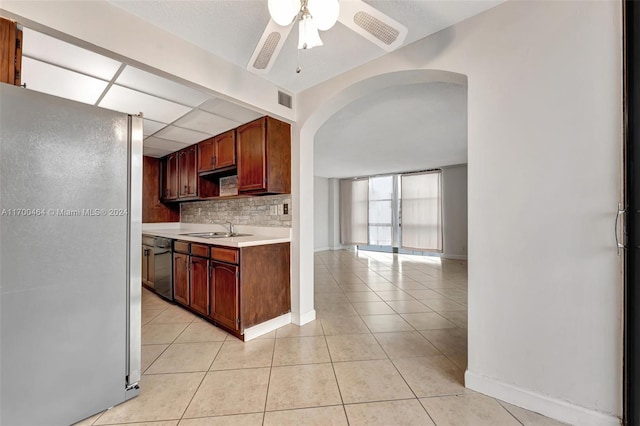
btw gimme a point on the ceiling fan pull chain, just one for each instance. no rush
(298, 68)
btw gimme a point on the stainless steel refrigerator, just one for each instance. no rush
(70, 237)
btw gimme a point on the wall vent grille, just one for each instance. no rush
(285, 99)
(383, 32)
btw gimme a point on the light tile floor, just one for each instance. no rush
(388, 348)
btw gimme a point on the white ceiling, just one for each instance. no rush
(231, 30)
(404, 128)
(398, 129)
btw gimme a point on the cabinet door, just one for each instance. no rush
(225, 149)
(169, 182)
(224, 294)
(147, 266)
(10, 52)
(199, 285)
(183, 171)
(192, 171)
(188, 170)
(251, 143)
(206, 155)
(181, 278)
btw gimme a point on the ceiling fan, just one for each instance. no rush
(314, 15)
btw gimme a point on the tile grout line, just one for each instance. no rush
(266, 396)
(507, 410)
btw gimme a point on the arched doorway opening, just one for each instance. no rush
(304, 139)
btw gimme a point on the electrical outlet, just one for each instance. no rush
(273, 210)
(286, 208)
(280, 209)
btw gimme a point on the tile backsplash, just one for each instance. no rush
(254, 211)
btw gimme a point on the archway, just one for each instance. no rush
(303, 134)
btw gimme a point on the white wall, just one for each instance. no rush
(545, 291)
(454, 212)
(321, 213)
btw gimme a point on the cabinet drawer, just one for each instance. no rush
(224, 254)
(199, 250)
(181, 247)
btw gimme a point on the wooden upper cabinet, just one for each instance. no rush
(252, 149)
(169, 179)
(206, 155)
(10, 52)
(225, 150)
(188, 172)
(218, 152)
(264, 157)
(259, 151)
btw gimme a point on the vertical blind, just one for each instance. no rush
(381, 190)
(421, 211)
(354, 211)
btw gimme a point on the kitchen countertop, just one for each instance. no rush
(260, 235)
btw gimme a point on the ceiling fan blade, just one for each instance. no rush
(268, 47)
(372, 24)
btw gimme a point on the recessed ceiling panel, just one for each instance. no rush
(58, 81)
(179, 134)
(207, 123)
(48, 49)
(143, 81)
(130, 101)
(230, 110)
(159, 143)
(155, 152)
(150, 127)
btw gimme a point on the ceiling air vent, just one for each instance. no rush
(285, 99)
(377, 27)
(383, 32)
(267, 50)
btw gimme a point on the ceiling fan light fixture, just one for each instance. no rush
(308, 36)
(283, 12)
(324, 12)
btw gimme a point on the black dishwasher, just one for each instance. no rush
(163, 279)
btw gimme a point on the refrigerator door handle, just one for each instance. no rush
(619, 245)
(134, 290)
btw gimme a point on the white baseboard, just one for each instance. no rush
(266, 327)
(302, 319)
(454, 256)
(545, 405)
(322, 249)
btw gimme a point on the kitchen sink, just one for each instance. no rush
(216, 234)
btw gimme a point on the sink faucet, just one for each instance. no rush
(230, 227)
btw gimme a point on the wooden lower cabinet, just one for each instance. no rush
(199, 285)
(235, 288)
(224, 294)
(181, 278)
(147, 265)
